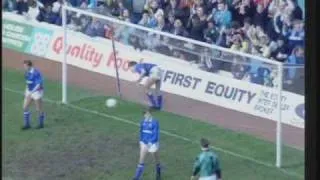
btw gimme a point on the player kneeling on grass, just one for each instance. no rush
(34, 92)
(149, 142)
(154, 75)
(206, 164)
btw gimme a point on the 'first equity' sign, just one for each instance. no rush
(211, 87)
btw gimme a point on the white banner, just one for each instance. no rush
(95, 54)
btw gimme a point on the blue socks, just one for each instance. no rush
(41, 119)
(156, 103)
(152, 100)
(139, 171)
(26, 118)
(159, 99)
(158, 170)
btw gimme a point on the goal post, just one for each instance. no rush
(116, 63)
(279, 120)
(64, 62)
(199, 50)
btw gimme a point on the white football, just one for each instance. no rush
(111, 102)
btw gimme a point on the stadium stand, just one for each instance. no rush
(272, 29)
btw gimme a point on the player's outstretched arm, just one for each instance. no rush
(141, 76)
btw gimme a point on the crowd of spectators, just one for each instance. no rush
(273, 29)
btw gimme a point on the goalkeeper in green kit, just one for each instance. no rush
(207, 164)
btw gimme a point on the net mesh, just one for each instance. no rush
(243, 83)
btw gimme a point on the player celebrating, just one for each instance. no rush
(154, 74)
(34, 92)
(149, 142)
(207, 164)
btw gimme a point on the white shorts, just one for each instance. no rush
(156, 73)
(151, 148)
(36, 95)
(213, 177)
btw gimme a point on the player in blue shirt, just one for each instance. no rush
(154, 77)
(149, 142)
(34, 92)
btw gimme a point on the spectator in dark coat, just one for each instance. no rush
(170, 23)
(297, 11)
(84, 23)
(211, 34)
(117, 8)
(271, 28)
(202, 15)
(47, 2)
(281, 51)
(242, 9)
(59, 19)
(195, 28)
(95, 28)
(261, 17)
(137, 7)
(46, 15)
(177, 11)
(179, 30)
(22, 7)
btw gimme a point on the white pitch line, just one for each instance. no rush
(164, 132)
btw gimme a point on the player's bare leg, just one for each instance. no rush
(26, 112)
(143, 154)
(140, 167)
(157, 94)
(158, 167)
(39, 108)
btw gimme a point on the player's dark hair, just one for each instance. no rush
(148, 110)
(132, 63)
(204, 143)
(28, 62)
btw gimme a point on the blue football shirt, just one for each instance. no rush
(143, 68)
(34, 79)
(149, 131)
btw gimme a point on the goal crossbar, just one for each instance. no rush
(279, 65)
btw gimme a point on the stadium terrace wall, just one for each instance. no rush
(96, 55)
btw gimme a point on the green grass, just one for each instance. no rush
(80, 144)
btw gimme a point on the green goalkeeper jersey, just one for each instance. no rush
(206, 164)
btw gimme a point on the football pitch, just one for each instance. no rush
(84, 140)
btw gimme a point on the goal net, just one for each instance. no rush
(247, 89)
